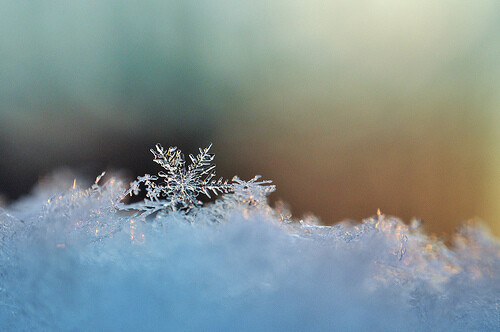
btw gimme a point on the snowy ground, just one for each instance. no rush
(72, 258)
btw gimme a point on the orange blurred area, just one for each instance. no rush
(438, 176)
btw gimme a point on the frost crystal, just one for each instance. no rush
(252, 192)
(180, 186)
(246, 197)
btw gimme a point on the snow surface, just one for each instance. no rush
(73, 259)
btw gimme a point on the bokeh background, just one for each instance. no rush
(348, 106)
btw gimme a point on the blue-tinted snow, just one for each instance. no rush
(70, 261)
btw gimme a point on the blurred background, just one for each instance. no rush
(348, 106)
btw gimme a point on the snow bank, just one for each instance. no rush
(71, 259)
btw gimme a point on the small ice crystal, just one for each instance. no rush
(252, 192)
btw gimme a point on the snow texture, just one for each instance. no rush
(80, 259)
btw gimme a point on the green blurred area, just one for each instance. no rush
(348, 106)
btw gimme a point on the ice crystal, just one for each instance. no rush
(252, 192)
(178, 187)
(245, 196)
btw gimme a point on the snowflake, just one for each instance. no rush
(180, 186)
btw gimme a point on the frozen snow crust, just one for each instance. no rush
(76, 259)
